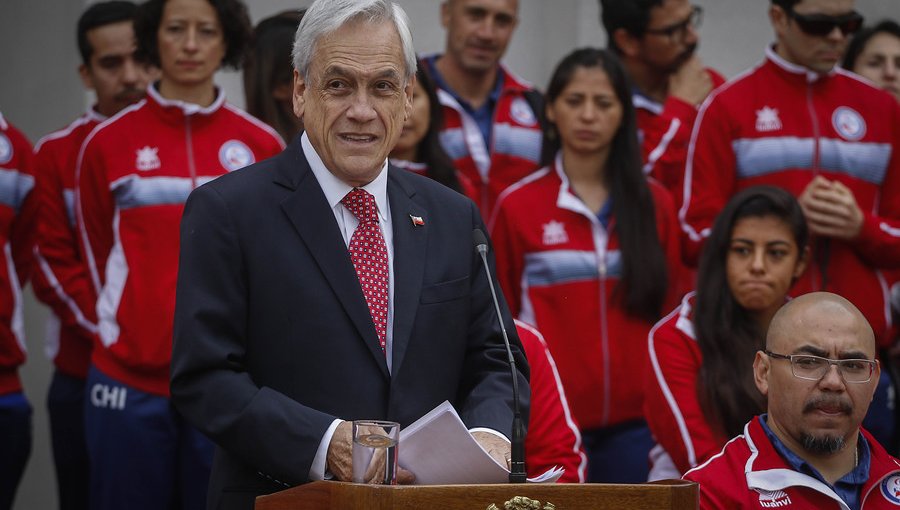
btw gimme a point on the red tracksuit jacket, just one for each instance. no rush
(553, 438)
(665, 132)
(16, 226)
(750, 474)
(60, 278)
(671, 406)
(134, 173)
(780, 124)
(558, 267)
(515, 145)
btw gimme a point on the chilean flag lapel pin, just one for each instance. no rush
(417, 221)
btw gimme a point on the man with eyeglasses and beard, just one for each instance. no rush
(656, 40)
(819, 374)
(800, 122)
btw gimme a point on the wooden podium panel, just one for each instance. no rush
(664, 495)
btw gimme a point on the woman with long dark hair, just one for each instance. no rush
(419, 148)
(700, 389)
(585, 249)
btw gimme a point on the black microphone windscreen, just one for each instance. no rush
(479, 238)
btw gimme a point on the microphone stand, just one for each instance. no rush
(517, 460)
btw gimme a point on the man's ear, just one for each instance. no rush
(409, 90)
(628, 44)
(85, 74)
(761, 369)
(802, 261)
(445, 13)
(297, 98)
(779, 20)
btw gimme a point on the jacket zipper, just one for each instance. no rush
(190, 151)
(821, 244)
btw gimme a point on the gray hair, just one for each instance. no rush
(325, 16)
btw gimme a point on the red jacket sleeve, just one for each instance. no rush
(510, 262)
(879, 240)
(553, 438)
(670, 239)
(671, 406)
(94, 209)
(60, 278)
(709, 179)
(22, 227)
(666, 138)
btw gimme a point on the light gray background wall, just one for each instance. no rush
(40, 92)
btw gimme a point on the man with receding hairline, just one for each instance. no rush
(492, 127)
(818, 371)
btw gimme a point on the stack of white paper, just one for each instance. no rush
(439, 450)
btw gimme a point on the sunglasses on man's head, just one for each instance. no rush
(822, 24)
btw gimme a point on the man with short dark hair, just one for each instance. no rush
(656, 41)
(492, 127)
(60, 279)
(818, 372)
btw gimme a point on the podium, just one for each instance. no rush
(663, 495)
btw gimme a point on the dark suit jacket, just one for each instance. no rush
(273, 338)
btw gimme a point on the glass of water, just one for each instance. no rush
(375, 451)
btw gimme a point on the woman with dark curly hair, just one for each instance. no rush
(135, 172)
(700, 390)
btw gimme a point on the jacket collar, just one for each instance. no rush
(794, 71)
(767, 470)
(174, 110)
(308, 210)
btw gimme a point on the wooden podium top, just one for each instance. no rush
(664, 495)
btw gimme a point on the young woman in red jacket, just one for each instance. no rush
(586, 249)
(700, 390)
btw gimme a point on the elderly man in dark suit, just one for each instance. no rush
(324, 285)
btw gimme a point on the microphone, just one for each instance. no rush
(517, 462)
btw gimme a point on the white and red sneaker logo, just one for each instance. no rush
(555, 233)
(767, 120)
(773, 499)
(147, 159)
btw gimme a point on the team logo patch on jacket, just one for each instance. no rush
(848, 123)
(555, 233)
(773, 499)
(890, 489)
(6, 149)
(767, 119)
(147, 159)
(234, 155)
(521, 112)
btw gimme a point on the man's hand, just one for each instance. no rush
(691, 83)
(831, 209)
(339, 460)
(496, 446)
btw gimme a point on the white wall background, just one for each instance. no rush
(40, 92)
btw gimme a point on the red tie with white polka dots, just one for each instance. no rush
(369, 254)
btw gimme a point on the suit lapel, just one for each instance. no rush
(308, 211)
(409, 260)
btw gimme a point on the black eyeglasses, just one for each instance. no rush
(814, 368)
(678, 31)
(822, 24)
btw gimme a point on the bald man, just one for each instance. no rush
(819, 373)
